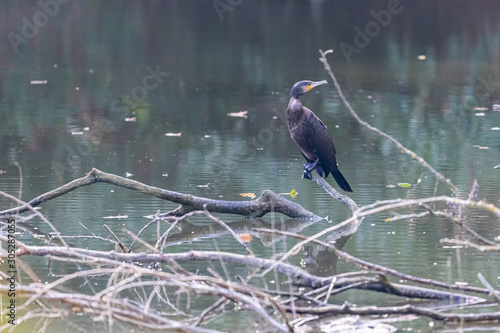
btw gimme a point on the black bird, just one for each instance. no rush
(312, 136)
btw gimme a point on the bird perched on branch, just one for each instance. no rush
(312, 136)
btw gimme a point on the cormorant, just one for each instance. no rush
(312, 136)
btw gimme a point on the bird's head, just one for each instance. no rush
(302, 87)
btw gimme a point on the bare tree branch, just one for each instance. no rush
(266, 203)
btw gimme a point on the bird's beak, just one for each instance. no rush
(317, 83)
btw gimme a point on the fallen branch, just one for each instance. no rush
(266, 203)
(302, 277)
(347, 308)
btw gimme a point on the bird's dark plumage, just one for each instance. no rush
(312, 136)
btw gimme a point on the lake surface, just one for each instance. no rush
(426, 73)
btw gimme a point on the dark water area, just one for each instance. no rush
(424, 72)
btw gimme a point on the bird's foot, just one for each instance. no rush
(308, 167)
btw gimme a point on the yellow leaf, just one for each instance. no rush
(293, 193)
(404, 184)
(250, 195)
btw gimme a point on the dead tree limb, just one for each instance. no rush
(302, 277)
(266, 203)
(347, 308)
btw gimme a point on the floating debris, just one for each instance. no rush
(496, 107)
(76, 133)
(241, 114)
(38, 82)
(128, 174)
(480, 114)
(391, 186)
(480, 108)
(293, 193)
(173, 134)
(205, 186)
(495, 128)
(250, 195)
(119, 216)
(2, 172)
(422, 57)
(164, 174)
(496, 166)
(246, 238)
(404, 184)
(132, 119)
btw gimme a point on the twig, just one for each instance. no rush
(488, 286)
(216, 219)
(220, 302)
(122, 247)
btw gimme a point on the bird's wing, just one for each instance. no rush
(319, 138)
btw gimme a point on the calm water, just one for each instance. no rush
(429, 76)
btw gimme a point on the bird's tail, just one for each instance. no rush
(339, 178)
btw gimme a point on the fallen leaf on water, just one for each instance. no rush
(293, 193)
(173, 134)
(404, 184)
(242, 114)
(250, 195)
(245, 237)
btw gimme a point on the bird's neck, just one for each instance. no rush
(294, 111)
